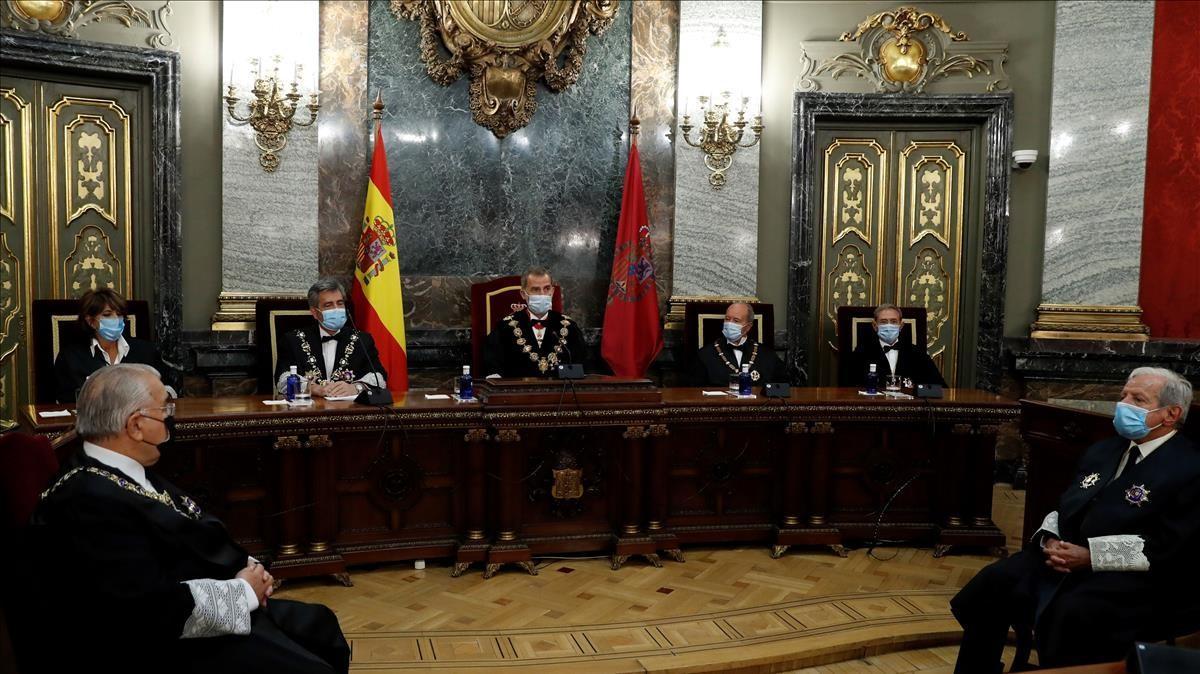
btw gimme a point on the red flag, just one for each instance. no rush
(379, 307)
(632, 334)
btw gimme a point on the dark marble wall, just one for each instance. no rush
(470, 205)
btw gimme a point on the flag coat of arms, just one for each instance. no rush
(632, 334)
(377, 294)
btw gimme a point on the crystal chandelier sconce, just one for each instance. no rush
(271, 112)
(720, 138)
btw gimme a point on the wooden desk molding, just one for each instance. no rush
(317, 490)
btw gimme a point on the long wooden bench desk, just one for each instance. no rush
(323, 488)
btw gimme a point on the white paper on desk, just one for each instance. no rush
(274, 402)
(338, 399)
(55, 413)
(436, 396)
(715, 393)
(864, 393)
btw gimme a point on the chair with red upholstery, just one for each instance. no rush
(491, 301)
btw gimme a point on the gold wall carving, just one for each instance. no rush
(16, 222)
(1081, 321)
(91, 264)
(65, 18)
(506, 46)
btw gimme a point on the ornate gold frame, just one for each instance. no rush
(506, 47)
(1082, 321)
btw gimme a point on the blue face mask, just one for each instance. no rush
(732, 331)
(539, 304)
(889, 333)
(111, 328)
(1130, 421)
(333, 319)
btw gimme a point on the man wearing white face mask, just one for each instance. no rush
(889, 353)
(737, 347)
(533, 342)
(335, 359)
(1119, 552)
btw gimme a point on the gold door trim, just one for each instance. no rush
(958, 174)
(59, 283)
(25, 110)
(834, 188)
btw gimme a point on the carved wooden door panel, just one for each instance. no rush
(75, 182)
(898, 224)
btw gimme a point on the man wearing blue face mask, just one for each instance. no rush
(532, 343)
(737, 347)
(335, 359)
(102, 315)
(1119, 552)
(889, 354)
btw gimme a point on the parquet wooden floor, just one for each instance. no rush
(728, 608)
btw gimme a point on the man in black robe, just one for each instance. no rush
(889, 354)
(533, 342)
(133, 575)
(335, 359)
(736, 347)
(1119, 553)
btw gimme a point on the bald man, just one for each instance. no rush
(734, 348)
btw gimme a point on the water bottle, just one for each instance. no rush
(872, 380)
(292, 385)
(744, 381)
(466, 389)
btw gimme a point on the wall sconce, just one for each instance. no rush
(720, 138)
(271, 114)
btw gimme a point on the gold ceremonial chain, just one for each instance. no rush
(732, 368)
(527, 348)
(191, 510)
(339, 373)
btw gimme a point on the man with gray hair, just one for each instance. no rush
(336, 360)
(737, 346)
(136, 573)
(1119, 552)
(535, 340)
(893, 352)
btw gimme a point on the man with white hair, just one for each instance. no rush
(136, 575)
(1119, 551)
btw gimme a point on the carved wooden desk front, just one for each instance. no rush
(320, 489)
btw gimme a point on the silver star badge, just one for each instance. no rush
(1137, 495)
(1089, 481)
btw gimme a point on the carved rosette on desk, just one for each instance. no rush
(506, 46)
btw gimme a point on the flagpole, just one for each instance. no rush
(377, 113)
(635, 127)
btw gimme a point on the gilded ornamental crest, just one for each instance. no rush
(568, 483)
(506, 46)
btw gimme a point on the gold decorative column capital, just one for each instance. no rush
(1089, 321)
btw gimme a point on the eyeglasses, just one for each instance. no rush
(169, 408)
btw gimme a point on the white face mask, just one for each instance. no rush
(539, 304)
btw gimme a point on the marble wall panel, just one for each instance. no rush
(1097, 152)
(716, 231)
(653, 68)
(344, 134)
(470, 205)
(269, 220)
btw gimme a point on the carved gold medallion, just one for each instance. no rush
(568, 483)
(506, 46)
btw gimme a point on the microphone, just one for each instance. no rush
(374, 395)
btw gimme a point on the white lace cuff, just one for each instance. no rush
(1118, 553)
(1049, 526)
(222, 607)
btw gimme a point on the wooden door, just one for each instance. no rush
(899, 223)
(74, 203)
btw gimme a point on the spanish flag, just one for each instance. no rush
(377, 293)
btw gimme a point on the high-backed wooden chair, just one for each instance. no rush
(703, 321)
(56, 324)
(491, 301)
(273, 318)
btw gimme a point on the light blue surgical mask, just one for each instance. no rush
(333, 319)
(889, 333)
(539, 304)
(111, 328)
(1130, 421)
(732, 331)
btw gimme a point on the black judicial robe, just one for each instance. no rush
(76, 362)
(711, 370)
(109, 569)
(1094, 616)
(913, 363)
(513, 351)
(356, 353)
